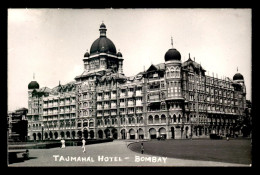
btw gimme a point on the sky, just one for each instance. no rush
(51, 43)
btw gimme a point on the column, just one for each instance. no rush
(157, 134)
(169, 134)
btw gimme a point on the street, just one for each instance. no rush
(113, 153)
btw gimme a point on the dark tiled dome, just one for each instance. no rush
(33, 85)
(172, 54)
(119, 54)
(103, 41)
(86, 54)
(238, 76)
(108, 45)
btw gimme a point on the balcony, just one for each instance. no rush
(73, 103)
(139, 111)
(99, 114)
(62, 112)
(130, 94)
(99, 98)
(106, 97)
(45, 106)
(113, 96)
(138, 103)
(106, 107)
(138, 93)
(106, 113)
(131, 104)
(113, 106)
(130, 112)
(62, 103)
(113, 113)
(122, 105)
(122, 112)
(122, 95)
(99, 107)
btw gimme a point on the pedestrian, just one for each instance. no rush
(142, 148)
(62, 143)
(227, 137)
(83, 145)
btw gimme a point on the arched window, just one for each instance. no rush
(150, 119)
(156, 119)
(179, 118)
(163, 119)
(174, 118)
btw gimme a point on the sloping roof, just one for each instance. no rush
(193, 63)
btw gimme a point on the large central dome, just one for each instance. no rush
(103, 44)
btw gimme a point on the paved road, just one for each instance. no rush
(113, 153)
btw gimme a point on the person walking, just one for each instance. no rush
(83, 145)
(142, 148)
(62, 143)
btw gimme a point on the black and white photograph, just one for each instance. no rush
(130, 87)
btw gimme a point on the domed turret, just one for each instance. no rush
(172, 54)
(86, 54)
(103, 41)
(119, 54)
(33, 85)
(238, 76)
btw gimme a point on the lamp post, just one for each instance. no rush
(42, 131)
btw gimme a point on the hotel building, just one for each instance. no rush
(173, 99)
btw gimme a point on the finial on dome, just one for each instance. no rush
(171, 41)
(102, 29)
(237, 69)
(33, 76)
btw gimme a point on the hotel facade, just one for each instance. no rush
(173, 99)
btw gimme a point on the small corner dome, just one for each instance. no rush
(33, 85)
(119, 54)
(86, 54)
(172, 54)
(238, 76)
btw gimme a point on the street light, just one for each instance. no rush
(42, 130)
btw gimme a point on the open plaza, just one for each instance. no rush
(168, 153)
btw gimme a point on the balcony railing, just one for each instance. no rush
(138, 93)
(138, 103)
(106, 107)
(122, 95)
(122, 105)
(113, 96)
(130, 104)
(99, 114)
(113, 106)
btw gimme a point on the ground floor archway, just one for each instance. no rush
(152, 133)
(132, 133)
(100, 134)
(114, 133)
(123, 134)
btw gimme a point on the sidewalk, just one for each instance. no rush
(113, 153)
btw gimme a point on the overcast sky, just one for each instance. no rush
(52, 42)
